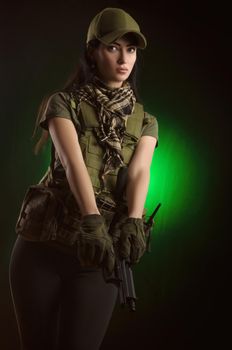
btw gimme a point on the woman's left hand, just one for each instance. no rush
(129, 239)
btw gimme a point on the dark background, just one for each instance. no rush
(183, 303)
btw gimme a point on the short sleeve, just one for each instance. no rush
(58, 105)
(150, 126)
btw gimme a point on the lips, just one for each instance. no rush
(122, 70)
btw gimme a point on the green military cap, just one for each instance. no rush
(111, 24)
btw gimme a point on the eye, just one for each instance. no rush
(131, 49)
(112, 48)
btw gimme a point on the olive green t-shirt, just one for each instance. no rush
(60, 104)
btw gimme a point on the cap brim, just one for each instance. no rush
(111, 37)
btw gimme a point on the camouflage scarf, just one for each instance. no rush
(113, 107)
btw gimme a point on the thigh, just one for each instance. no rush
(35, 289)
(87, 305)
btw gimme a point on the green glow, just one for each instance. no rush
(177, 179)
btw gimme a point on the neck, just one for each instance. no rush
(109, 86)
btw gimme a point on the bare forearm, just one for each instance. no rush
(82, 189)
(136, 192)
(65, 139)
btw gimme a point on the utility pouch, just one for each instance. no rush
(39, 214)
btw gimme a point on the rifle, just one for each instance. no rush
(123, 270)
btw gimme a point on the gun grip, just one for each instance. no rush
(121, 183)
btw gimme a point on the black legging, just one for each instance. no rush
(58, 304)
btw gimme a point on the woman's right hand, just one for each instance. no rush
(94, 244)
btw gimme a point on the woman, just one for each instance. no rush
(75, 222)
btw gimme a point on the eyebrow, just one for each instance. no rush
(115, 42)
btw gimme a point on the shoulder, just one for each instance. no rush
(143, 114)
(57, 104)
(139, 108)
(59, 97)
(150, 125)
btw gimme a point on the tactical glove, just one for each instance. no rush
(129, 238)
(94, 245)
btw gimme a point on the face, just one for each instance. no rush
(115, 62)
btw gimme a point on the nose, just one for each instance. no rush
(122, 57)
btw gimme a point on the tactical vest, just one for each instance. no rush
(93, 152)
(49, 212)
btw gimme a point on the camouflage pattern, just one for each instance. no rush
(49, 210)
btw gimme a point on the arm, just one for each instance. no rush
(139, 176)
(65, 139)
